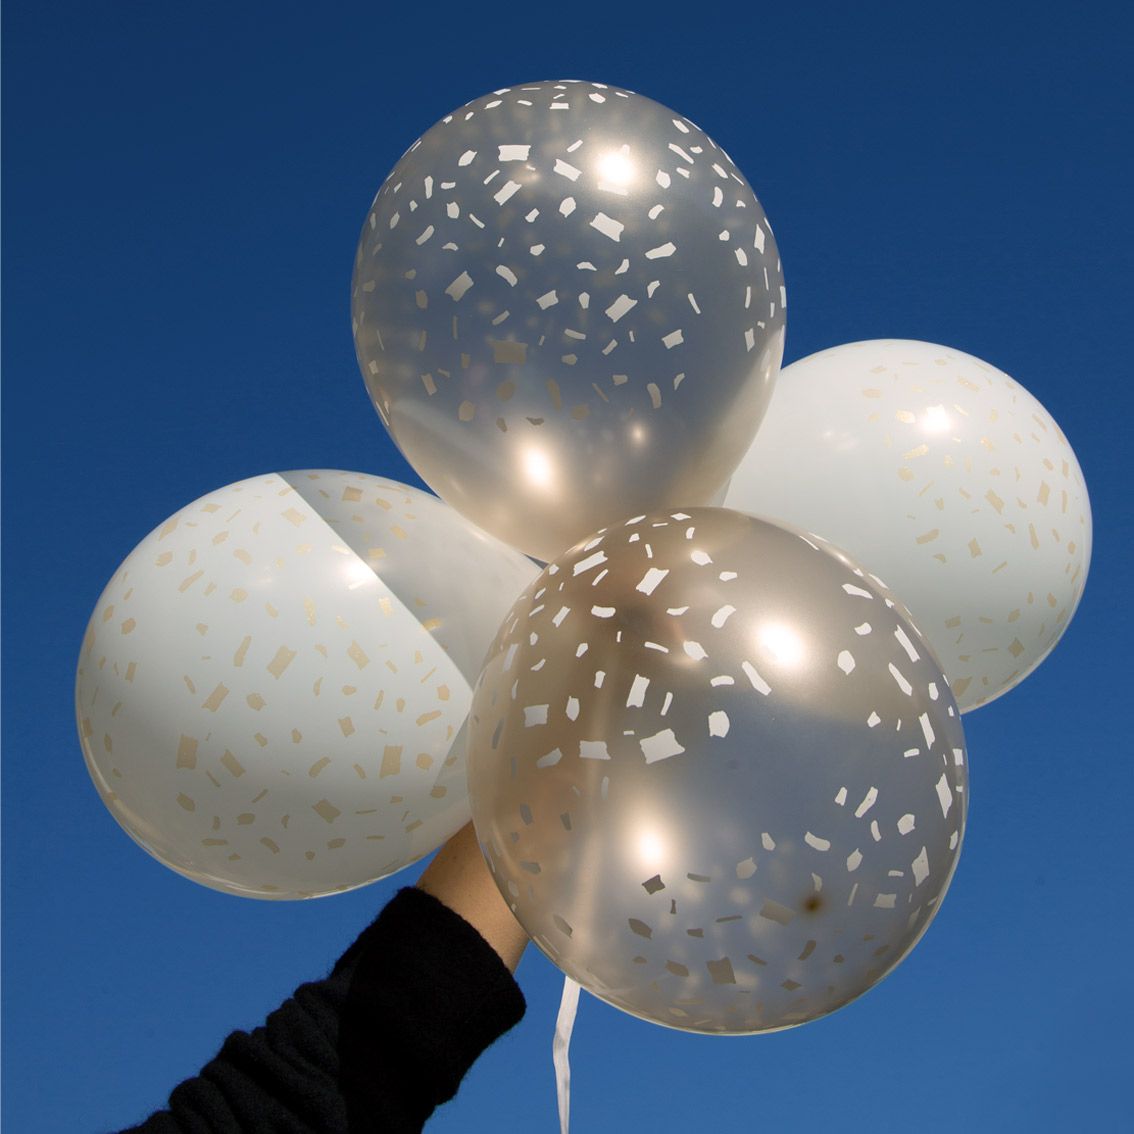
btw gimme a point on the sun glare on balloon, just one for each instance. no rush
(615, 168)
(538, 469)
(782, 643)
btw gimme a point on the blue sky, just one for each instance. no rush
(183, 191)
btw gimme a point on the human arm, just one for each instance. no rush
(388, 1035)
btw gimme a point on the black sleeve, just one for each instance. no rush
(375, 1047)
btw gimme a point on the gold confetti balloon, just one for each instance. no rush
(946, 477)
(568, 305)
(272, 688)
(716, 773)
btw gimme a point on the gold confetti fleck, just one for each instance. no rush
(187, 802)
(187, 752)
(871, 392)
(424, 761)
(905, 416)
(918, 451)
(929, 536)
(294, 516)
(507, 352)
(239, 594)
(309, 611)
(244, 818)
(391, 761)
(318, 766)
(425, 718)
(334, 844)
(439, 791)
(271, 844)
(1044, 493)
(905, 473)
(242, 650)
(358, 655)
(974, 548)
(168, 529)
(352, 494)
(1016, 648)
(255, 701)
(271, 610)
(326, 810)
(107, 743)
(466, 411)
(128, 626)
(994, 500)
(243, 556)
(189, 683)
(443, 692)
(361, 771)
(214, 842)
(164, 559)
(1033, 537)
(189, 581)
(284, 657)
(347, 726)
(216, 698)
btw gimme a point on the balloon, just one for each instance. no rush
(947, 478)
(717, 774)
(272, 687)
(567, 305)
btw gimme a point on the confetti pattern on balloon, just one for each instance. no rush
(272, 687)
(717, 774)
(567, 305)
(945, 477)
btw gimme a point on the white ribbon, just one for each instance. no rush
(568, 1006)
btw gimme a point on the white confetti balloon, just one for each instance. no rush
(945, 477)
(568, 305)
(716, 773)
(272, 688)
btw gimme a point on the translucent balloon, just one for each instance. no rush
(716, 772)
(568, 305)
(947, 478)
(272, 688)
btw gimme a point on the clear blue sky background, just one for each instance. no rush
(183, 189)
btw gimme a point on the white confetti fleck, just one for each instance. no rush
(816, 842)
(660, 746)
(906, 824)
(619, 307)
(906, 644)
(608, 226)
(758, 683)
(944, 795)
(593, 750)
(721, 616)
(920, 867)
(637, 696)
(591, 561)
(506, 192)
(867, 803)
(661, 251)
(514, 153)
(565, 169)
(845, 661)
(927, 729)
(696, 651)
(651, 579)
(902, 683)
(535, 715)
(718, 723)
(603, 611)
(854, 860)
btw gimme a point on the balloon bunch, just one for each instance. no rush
(716, 766)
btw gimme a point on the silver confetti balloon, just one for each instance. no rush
(568, 305)
(716, 772)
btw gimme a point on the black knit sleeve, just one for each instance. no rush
(373, 1049)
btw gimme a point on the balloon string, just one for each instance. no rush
(568, 1006)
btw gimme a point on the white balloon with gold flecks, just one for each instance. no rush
(272, 689)
(946, 478)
